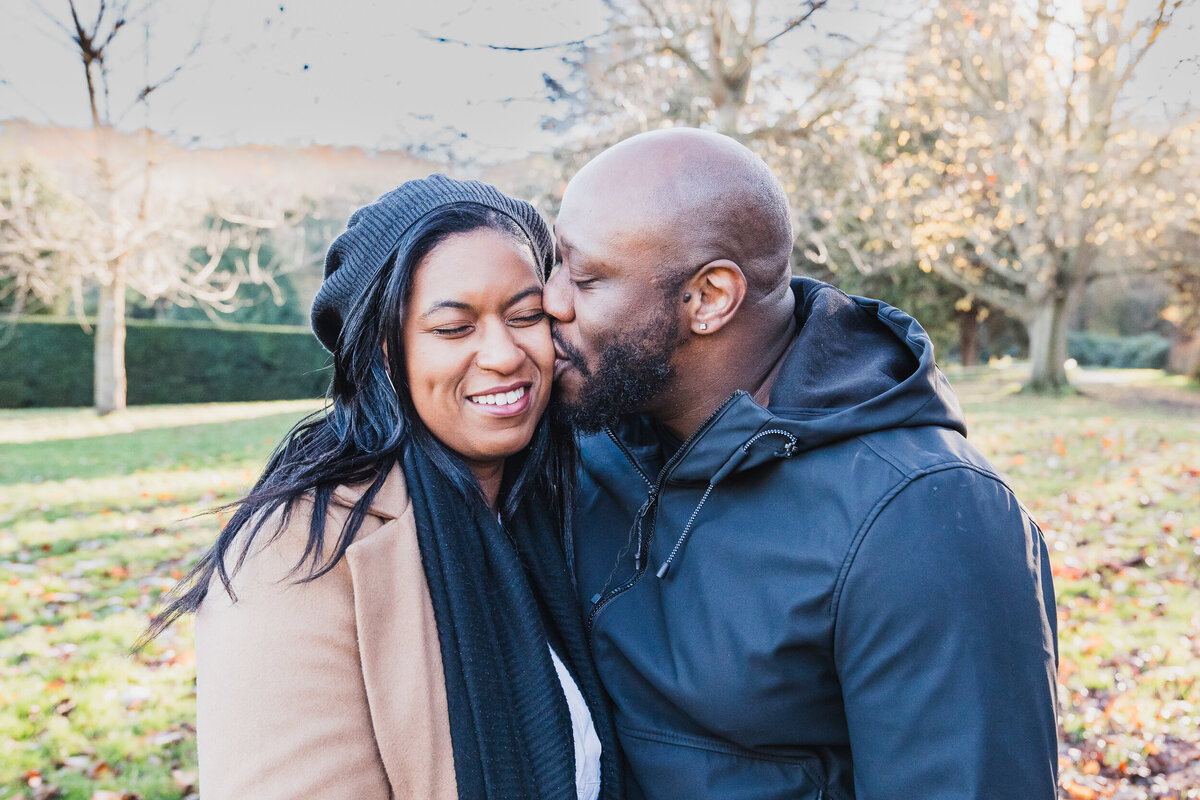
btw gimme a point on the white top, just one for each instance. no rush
(587, 743)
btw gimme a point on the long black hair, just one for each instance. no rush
(367, 422)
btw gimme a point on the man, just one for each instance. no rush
(799, 579)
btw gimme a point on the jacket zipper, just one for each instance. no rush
(640, 557)
(786, 452)
(638, 518)
(629, 456)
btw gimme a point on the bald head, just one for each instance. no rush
(696, 197)
(674, 288)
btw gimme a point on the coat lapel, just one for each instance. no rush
(398, 645)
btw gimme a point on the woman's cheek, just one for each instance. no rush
(434, 379)
(541, 349)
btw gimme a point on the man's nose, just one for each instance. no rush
(556, 296)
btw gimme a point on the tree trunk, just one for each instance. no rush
(968, 338)
(1184, 358)
(1048, 347)
(726, 117)
(109, 390)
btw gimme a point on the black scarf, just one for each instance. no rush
(498, 601)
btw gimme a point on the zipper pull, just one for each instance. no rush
(637, 520)
(687, 531)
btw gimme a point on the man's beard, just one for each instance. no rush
(629, 373)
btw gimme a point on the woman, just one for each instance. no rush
(389, 613)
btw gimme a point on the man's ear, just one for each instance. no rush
(717, 291)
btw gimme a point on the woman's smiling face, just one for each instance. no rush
(477, 346)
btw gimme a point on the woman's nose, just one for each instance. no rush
(498, 350)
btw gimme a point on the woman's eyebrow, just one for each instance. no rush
(439, 305)
(458, 305)
(521, 295)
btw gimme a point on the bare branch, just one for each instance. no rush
(512, 48)
(813, 7)
(1010, 302)
(1164, 17)
(55, 21)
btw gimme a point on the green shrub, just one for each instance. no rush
(1146, 351)
(48, 362)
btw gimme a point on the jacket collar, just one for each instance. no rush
(389, 503)
(858, 366)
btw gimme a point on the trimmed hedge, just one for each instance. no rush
(1146, 351)
(48, 362)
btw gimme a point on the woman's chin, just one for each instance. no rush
(497, 445)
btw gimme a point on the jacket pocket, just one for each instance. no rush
(674, 766)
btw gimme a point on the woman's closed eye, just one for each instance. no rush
(450, 331)
(521, 319)
(526, 318)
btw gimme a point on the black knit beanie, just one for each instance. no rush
(374, 232)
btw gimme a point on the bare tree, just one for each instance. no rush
(117, 232)
(93, 40)
(40, 240)
(1014, 165)
(707, 64)
(50, 238)
(779, 77)
(1183, 312)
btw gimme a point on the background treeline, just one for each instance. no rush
(44, 361)
(994, 168)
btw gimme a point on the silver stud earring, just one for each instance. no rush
(703, 326)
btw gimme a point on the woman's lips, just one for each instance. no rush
(508, 403)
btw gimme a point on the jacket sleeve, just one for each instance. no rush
(281, 705)
(946, 646)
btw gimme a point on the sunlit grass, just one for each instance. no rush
(1113, 478)
(46, 424)
(94, 525)
(92, 531)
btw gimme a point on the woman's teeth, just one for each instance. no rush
(500, 399)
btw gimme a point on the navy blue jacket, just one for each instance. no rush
(833, 597)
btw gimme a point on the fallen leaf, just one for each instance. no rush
(1077, 791)
(185, 780)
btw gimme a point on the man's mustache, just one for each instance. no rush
(566, 350)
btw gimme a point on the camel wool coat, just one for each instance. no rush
(331, 688)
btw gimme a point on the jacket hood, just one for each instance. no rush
(857, 366)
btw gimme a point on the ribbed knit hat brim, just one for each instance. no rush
(375, 231)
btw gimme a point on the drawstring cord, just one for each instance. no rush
(662, 571)
(787, 451)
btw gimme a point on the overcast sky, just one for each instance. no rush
(360, 72)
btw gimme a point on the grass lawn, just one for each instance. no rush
(98, 517)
